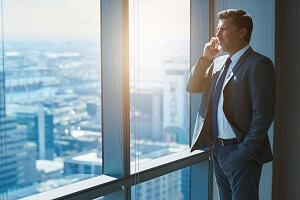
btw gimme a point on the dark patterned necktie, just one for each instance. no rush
(216, 98)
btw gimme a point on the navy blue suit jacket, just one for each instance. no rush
(249, 102)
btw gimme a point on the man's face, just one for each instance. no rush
(227, 36)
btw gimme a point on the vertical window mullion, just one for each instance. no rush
(115, 91)
(201, 173)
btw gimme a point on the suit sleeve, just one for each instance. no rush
(197, 75)
(262, 94)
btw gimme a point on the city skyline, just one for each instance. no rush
(65, 142)
(53, 89)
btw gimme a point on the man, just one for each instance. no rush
(237, 106)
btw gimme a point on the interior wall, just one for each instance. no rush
(290, 134)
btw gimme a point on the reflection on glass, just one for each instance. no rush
(171, 186)
(159, 65)
(100, 198)
(50, 121)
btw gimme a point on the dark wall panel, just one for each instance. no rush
(290, 162)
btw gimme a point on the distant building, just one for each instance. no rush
(175, 104)
(88, 164)
(94, 110)
(39, 123)
(73, 112)
(49, 169)
(87, 126)
(185, 183)
(17, 156)
(17, 161)
(170, 186)
(83, 163)
(146, 114)
(163, 187)
(89, 160)
(21, 192)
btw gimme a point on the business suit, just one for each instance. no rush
(249, 104)
(249, 93)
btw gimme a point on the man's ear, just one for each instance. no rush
(242, 32)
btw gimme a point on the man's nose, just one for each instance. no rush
(218, 33)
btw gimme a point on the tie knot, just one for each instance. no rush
(228, 61)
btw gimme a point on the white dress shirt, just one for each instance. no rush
(224, 129)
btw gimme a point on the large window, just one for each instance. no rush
(51, 135)
(159, 38)
(90, 91)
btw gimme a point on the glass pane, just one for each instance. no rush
(52, 132)
(3, 176)
(159, 66)
(175, 185)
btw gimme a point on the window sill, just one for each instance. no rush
(103, 184)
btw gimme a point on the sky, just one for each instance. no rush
(162, 18)
(42, 19)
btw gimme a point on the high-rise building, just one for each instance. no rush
(39, 123)
(18, 156)
(93, 108)
(175, 105)
(69, 113)
(163, 187)
(169, 186)
(146, 114)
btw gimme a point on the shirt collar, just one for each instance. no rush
(238, 54)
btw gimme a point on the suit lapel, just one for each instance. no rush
(238, 64)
